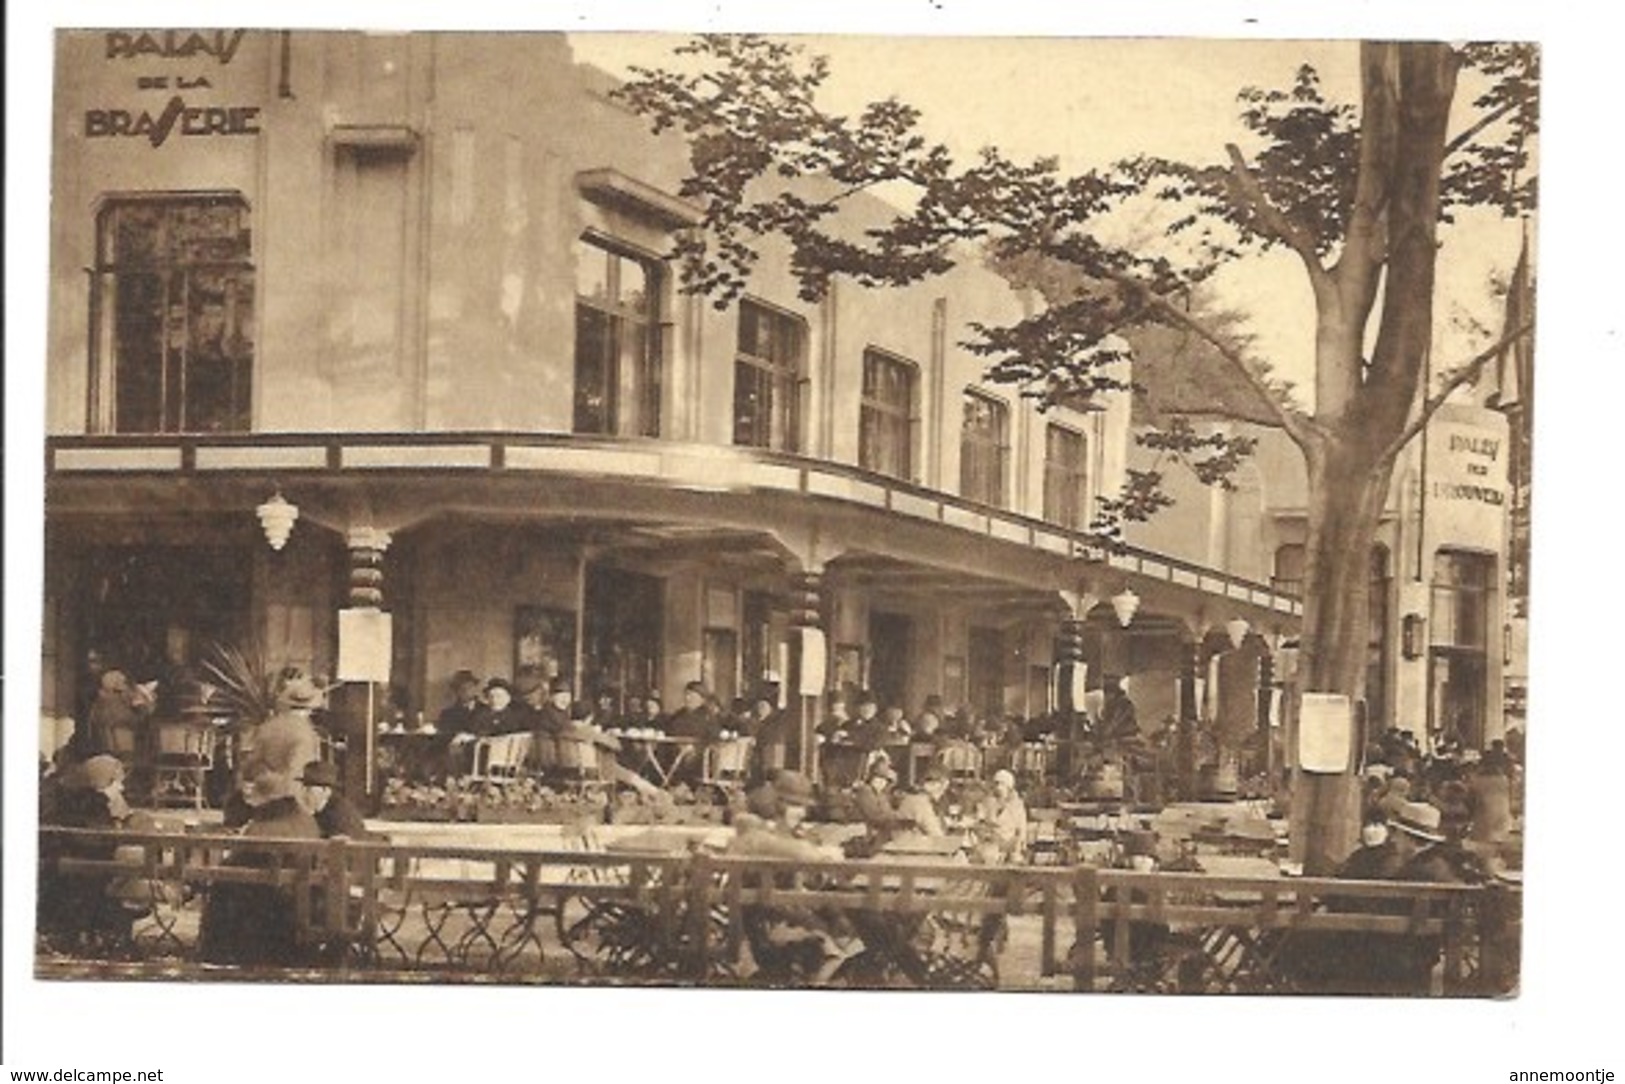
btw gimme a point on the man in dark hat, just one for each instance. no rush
(501, 714)
(335, 814)
(552, 717)
(696, 719)
(458, 716)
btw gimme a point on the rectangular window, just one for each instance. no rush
(1459, 637)
(618, 348)
(888, 415)
(984, 449)
(174, 314)
(1066, 476)
(1461, 592)
(767, 378)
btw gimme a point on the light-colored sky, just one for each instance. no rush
(1094, 101)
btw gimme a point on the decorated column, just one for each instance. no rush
(365, 647)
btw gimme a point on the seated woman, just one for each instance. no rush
(85, 908)
(256, 924)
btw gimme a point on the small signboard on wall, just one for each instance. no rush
(365, 643)
(1325, 732)
(814, 661)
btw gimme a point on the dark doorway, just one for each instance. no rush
(621, 632)
(154, 611)
(891, 639)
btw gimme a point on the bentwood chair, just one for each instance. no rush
(726, 764)
(961, 760)
(501, 758)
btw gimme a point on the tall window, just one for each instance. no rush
(767, 378)
(984, 448)
(173, 312)
(886, 420)
(1463, 584)
(1290, 563)
(618, 349)
(1066, 476)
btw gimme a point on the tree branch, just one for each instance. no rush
(1252, 193)
(1296, 424)
(1478, 126)
(1469, 370)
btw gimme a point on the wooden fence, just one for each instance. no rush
(372, 911)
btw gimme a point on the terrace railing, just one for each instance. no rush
(369, 911)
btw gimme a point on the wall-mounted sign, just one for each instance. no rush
(175, 118)
(365, 644)
(1325, 732)
(183, 115)
(174, 44)
(1466, 463)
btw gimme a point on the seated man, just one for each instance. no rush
(335, 814)
(785, 943)
(923, 808)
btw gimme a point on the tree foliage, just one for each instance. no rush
(1356, 192)
(767, 161)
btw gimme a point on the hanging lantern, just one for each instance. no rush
(277, 517)
(1237, 628)
(1125, 605)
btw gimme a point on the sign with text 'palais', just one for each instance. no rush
(1465, 480)
(182, 64)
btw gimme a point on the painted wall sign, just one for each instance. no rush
(1466, 464)
(173, 44)
(181, 115)
(175, 118)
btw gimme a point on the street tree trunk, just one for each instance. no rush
(1347, 492)
(1364, 404)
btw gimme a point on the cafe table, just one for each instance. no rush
(661, 754)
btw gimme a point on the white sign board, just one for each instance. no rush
(1079, 691)
(814, 662)
(1325, 732)
(365, 641)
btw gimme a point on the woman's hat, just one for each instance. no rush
(299, 693)
(1419, 819)
(559, 685)
(499, 683)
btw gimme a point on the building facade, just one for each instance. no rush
(414, 288)
(1443, 637)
